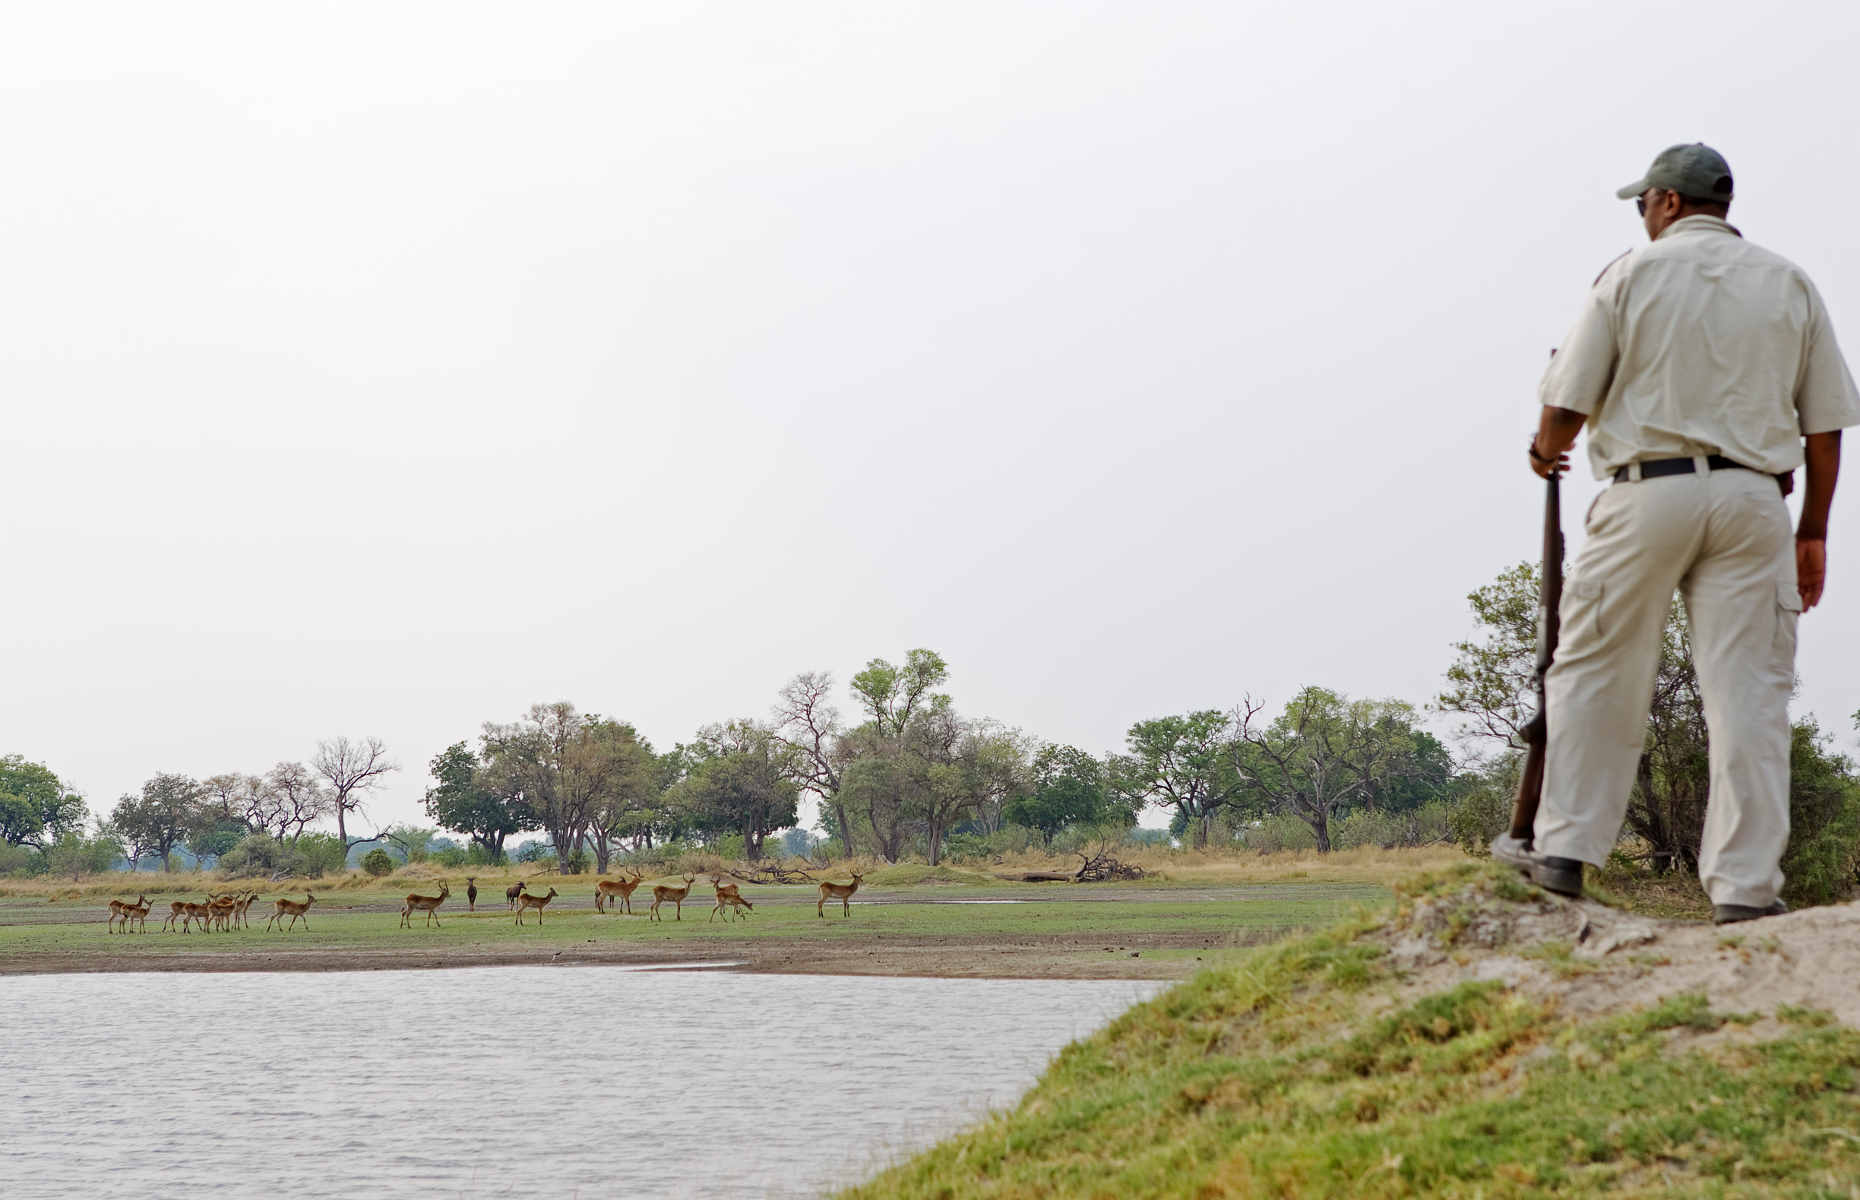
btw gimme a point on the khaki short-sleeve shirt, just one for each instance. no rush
(1702, 343)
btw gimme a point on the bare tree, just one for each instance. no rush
(806, 720)
(352, 768)
(286, 800)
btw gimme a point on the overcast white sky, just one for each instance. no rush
(383, 369)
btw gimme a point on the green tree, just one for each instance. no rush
(35, 808)
(627, 802)
(566, 764)
(1068, 788)
(213, 835)
(1183, 763)
(892, 695)
(1326, 752)
(161, 816)
(889, 783)
(465, 796)
(743, 780)
(872, 790)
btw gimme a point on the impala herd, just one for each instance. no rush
(227, 911)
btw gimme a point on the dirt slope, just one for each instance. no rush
(1595, 960)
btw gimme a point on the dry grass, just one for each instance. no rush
(1364, 864)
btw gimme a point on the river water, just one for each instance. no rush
(507, 1081)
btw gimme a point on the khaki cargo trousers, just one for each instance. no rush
(1723, 539)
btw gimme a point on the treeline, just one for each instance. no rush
(907, 773)
(248, 823)
(904, 773)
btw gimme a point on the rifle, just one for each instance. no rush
(1537, 732)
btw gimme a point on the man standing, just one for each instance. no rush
(1706, 371)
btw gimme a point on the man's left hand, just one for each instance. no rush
(1811, 569)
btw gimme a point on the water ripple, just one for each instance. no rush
(507, 1081)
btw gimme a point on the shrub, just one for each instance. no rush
(728, 846)
(990, 847)
(1424, 826)
(1482, 809)
(259, 854)
(1280, 831)
(450, 856)
(1365, 829)
(75, 855)
(319, 854)
(1822, 860)
(254, 854)
(20, 860)
(377, 862)
(798, 842)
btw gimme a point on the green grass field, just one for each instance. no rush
(366, 920)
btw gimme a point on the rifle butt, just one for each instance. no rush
(1530, 792)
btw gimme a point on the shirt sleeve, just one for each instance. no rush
(1825, 398)
(1584, 366)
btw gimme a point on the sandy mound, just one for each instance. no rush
(1594, 960)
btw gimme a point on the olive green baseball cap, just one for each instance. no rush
(1692, 169)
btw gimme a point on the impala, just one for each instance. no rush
(471, 893)
(607, 889)
(191, 913)
(529, 900)
(727, 893)
(221, 910)
(661, 893)
(138, 913)
(291, 908)
(177, 911)
(838, 891)
(427, 904)
(239, 917)
(511, 893)
(120, 909)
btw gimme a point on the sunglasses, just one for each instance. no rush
(1640, 201)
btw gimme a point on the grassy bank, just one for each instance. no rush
(1371, 1059)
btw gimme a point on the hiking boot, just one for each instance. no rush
(1731, 914)
(1560, 875)
(1512, 851)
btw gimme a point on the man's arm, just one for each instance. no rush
(1823, 452)
(1556, 433)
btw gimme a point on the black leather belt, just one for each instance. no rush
(1654, 468)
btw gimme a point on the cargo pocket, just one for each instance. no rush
(1788, 611)
(1582, 610)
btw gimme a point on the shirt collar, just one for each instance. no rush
(1701, 223)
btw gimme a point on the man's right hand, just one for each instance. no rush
(1811, 569)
